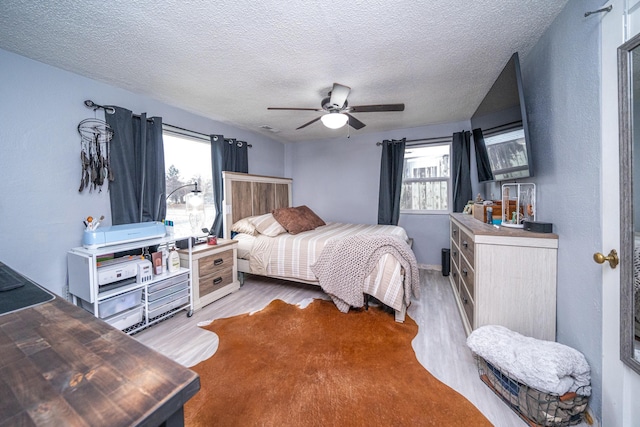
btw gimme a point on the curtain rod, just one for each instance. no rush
(438, 139)
(186, 132)
(433, 140)
(175, 129)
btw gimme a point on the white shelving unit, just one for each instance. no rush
(146, 303)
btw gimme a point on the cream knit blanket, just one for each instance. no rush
(344, 263)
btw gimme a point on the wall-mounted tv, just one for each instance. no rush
(500, 129)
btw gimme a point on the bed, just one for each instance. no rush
(274, 252)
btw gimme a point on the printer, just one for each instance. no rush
(123, 271)
(123, 233)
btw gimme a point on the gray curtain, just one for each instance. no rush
(482, 157)
(391, 165)
(136, 154)
(226, 155)
(460, 167)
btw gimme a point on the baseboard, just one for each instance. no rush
(430, 267)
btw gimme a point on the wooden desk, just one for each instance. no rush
(61, 366)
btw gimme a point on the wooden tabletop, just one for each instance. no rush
(61, 366)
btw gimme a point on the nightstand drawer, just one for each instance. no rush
(215, 263)
(215, 281)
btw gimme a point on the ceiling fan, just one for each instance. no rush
(337, 109)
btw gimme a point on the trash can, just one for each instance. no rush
(446, 261)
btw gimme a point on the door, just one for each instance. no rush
(620, 384)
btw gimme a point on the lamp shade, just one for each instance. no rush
(334, 120)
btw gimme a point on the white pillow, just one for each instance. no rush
(266, 224)
(245, 226)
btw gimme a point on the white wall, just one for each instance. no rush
(41, 210)
(339, 179)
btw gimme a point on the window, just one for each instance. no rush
(425, 179)
(187, 160)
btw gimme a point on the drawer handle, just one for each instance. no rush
(465, 244)
(464, 271)
(455, 253)
(465, 301)
(217, 280)
(218, 261)
(455, 274)
(455, 231)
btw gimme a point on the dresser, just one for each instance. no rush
(214, 271)
(504, 276)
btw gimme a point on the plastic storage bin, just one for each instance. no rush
(119, 303)
(126, 319)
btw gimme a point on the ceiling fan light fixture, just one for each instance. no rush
(334, 120)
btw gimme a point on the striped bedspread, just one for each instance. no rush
(291, 256)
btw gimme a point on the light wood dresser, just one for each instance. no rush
(214, 271)
(504, 276)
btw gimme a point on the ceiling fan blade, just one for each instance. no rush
(355, 123)
(376, 108)
(339, 95)
(308, 123)
(294, 109)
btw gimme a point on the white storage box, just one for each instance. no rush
(119, 303)
(126, 318)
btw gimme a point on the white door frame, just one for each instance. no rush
(620, 384)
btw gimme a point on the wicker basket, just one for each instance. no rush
(533, 406)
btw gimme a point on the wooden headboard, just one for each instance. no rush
(250, 195)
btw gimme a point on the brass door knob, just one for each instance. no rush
(612, 258)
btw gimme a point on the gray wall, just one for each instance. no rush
(562, 85)
(41, 210)
(339, 179)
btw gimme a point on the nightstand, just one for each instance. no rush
(214, 271)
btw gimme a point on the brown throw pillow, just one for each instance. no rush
(297, 220)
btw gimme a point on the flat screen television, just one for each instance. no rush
(500, 129)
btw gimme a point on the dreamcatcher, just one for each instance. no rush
(95, 136)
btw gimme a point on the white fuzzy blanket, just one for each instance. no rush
(344, 264)
(547, 366)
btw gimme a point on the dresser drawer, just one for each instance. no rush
(467, 304)
(455, 232)
(215, 281)
(455, 254)
(467, 247)
(467, 276)
(215, 263)
(455, 278)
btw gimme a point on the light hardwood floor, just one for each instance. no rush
(440, 345)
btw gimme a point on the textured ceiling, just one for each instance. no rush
(230, 60)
